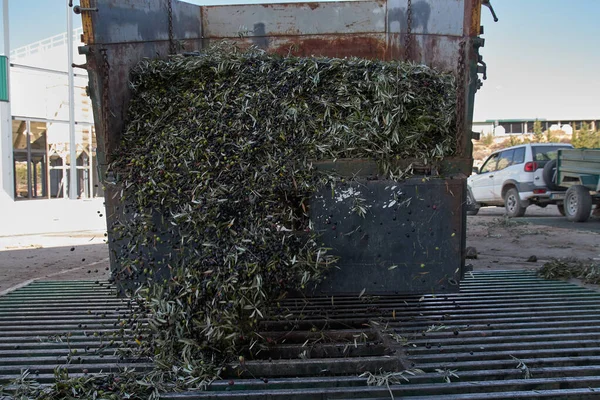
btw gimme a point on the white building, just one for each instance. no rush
(41, 139)
(504, 127)
(47, 140)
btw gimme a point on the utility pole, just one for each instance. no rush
(72, 138)
(6, 162)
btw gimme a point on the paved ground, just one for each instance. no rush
(58, 256)
(70, 244)
(504, 243)
(548, 216)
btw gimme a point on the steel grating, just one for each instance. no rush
(74, 324)
(507, 334)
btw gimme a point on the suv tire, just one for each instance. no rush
(549, 175)
(513, 204)
(472, 206)
(578, 203)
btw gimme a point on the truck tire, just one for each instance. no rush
(472, 206)
(513, 204)
(578, 203)
(549, 175)
(561, 209)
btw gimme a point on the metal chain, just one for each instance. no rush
(460, 96)
(408, 37)
(105, 92)
(172, 46)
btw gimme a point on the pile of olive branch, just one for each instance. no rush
(216, 173)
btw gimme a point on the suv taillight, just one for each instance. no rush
(530, 166)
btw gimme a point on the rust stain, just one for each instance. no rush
(313, 6)
(86, 19)
(333, 46)
(475, 17)
(432, 50)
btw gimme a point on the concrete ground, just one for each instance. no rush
(508, 243)
(52, 239)
(55, 256)
(501, 244)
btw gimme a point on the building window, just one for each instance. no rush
(30, 159)
(42, 159)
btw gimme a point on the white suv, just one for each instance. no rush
(515, 178)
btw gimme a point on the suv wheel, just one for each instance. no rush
(512, 203)
(578, 203)
(549, 175)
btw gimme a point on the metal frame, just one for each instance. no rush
(6, 163)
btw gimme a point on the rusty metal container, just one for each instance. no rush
(420, 249)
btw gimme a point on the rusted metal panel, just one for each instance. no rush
(270, 20)
(429, 17)
(364, 45)
(440, 52)
(368, 29)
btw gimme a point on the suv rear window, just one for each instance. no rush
(543, 154)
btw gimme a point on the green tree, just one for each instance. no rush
(584, 137)
(488, 139)
(513, 141)
(538, 134)
(550, 137)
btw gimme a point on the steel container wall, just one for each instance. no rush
(427, 244)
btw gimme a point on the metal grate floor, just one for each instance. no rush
(75, 324)
(507, 334)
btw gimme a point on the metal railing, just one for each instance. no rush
(45, 44)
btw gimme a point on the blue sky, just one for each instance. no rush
(542, 55)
